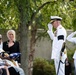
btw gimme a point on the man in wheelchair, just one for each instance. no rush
(8, 65)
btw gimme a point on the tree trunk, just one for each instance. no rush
(32, 48)
(24, 50)
(24, 39)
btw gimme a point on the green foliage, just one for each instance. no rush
(9, 12)
(70, 55)
(74, 21)
(8, 15)
(43, 67)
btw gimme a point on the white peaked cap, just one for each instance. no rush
(55, 18)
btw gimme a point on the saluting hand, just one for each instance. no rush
(50, 26)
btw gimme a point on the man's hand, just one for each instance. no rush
(50, 26)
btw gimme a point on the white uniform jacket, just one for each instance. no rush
(72, 39)
(59, 37)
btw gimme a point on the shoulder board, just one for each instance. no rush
(60, 27)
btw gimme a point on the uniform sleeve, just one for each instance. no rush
(51, 34)
(71, 37)
(61, 36)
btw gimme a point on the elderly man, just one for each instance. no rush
(58, 47)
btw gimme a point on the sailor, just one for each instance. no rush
(72, 38)
(59, 38)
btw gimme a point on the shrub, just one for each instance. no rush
(43, 67)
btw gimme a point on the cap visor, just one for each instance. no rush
(51, 21)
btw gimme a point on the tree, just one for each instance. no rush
(9, 17)
(24, 9)
(33, 13)
(33, 9)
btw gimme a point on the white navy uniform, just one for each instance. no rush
(72, 39)
(59, 37)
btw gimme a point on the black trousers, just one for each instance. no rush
(12, 71)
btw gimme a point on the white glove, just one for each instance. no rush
(50, 26)
(48, 31)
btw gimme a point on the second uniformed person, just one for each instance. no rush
(71, 38)
(58, 37)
